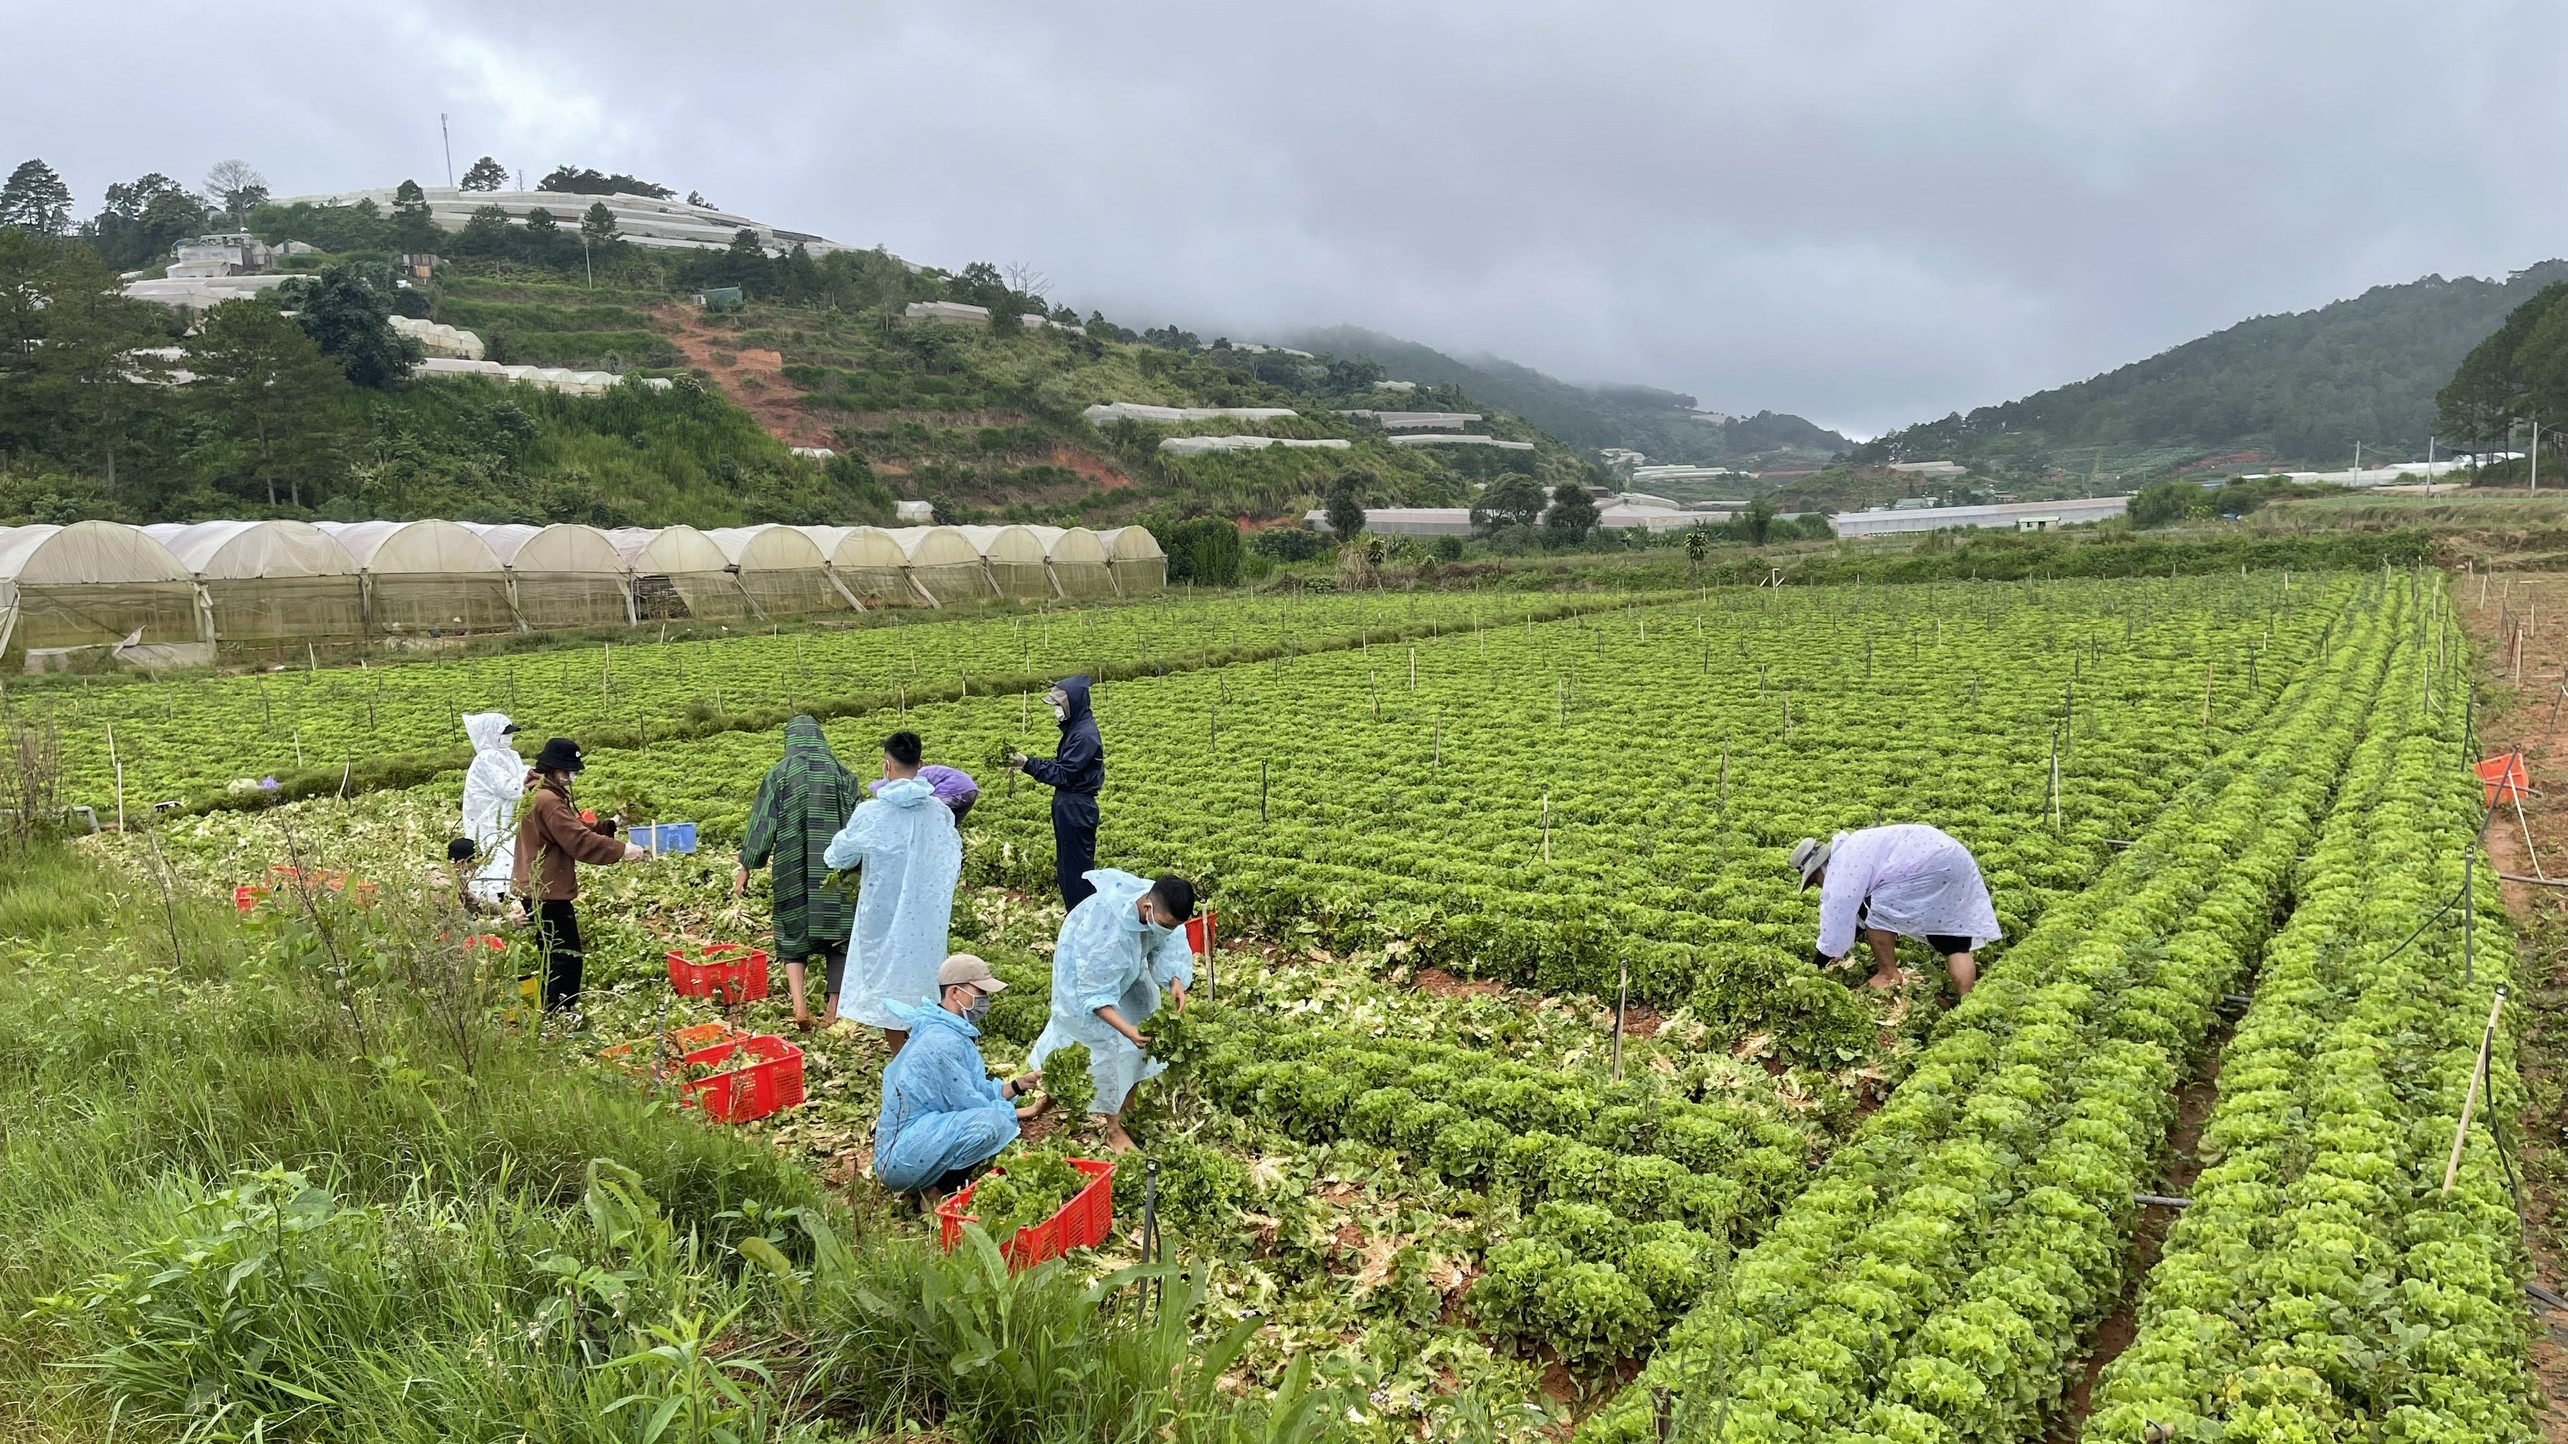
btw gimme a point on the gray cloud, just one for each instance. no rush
(1868, 213)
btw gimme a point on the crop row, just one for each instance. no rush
(2322, 1285)
(180, 738)
(1938, 1278)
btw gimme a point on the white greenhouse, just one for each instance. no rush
(1019, 564)
(426, 578)
(782, 569)
(943, 563)
(98, 586)
(1079, 564)
(679, 573)
(868, 564)
(564, 575)
(1140, 567)
(270, 581)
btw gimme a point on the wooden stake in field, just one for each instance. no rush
(2206, 696)
(1261, 790)
(119, 765)
(1622, 1004)
(1413, 666)
(2470, 1100)
(1546, 822)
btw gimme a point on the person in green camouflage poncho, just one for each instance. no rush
(802, 802)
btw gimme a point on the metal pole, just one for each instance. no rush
(1622, 1001)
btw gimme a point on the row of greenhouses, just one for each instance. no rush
(170, 593)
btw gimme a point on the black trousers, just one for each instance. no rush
(1074, 845)
(557, 941)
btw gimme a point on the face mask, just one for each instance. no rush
(980, 1008)
(1060, 713)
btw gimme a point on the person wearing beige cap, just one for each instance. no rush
(943, 1114)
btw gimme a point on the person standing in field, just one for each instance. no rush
(551, 842)
(492, 787)
(1075, 773)
(1116, 951)
(905, 841)
(802, 802)
(1904, 880)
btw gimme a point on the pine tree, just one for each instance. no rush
(35, 199)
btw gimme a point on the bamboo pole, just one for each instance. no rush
(1546, 822)
(2470, 1100)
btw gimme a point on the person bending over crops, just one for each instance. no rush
(1075, 774)
(551, 841)
(943, 1114)
(802, 802)
(1905, 880)
(904, 839)
(1115, 953)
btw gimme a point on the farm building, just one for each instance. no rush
(1414, 420)
(1201, 445)
(563, 575)
(270, 580)
(97, 586)
(1447, 438)
(1404, 520)
(426, 577)
(639, 220)
(2003, 517)
(1113, 411)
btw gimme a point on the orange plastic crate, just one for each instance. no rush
(768, 1078)
(1083, 1222)
(680, 1042)
(729, 971)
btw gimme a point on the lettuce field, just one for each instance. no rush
(1405, 1127)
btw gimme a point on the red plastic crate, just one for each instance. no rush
(768, 1078)
(1083, 1222)
(2504, 776)
(1200, 933)
(729, 971)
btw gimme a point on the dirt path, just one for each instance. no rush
(749, 378)
(2516, 623)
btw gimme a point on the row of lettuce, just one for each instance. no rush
(2323, 1284)
(1941, 1277)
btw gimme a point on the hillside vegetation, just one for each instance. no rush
(128, 410)
(2300, 388)
(1662, 424)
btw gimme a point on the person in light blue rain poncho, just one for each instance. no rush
(904, 839)
(943, 1114)
(1116, 951)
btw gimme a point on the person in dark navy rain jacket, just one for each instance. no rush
(1074, 774)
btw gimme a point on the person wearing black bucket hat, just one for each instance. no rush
(551, 841)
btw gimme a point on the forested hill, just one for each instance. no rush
(1662, 424)
(2298, 388)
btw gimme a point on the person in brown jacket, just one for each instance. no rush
(551, 840)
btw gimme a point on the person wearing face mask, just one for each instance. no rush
(1116, 952)
(943, 1114)
(1075, 773)
(904, 839)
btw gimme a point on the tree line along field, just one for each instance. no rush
(1804, 1212)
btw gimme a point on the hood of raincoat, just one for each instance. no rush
(488, 731)
(1075, 709)
(1122, 892)
(903, 791)
(803, 738)
(919, 1014)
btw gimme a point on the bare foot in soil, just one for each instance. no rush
(1117, 1139)
(1884, 982)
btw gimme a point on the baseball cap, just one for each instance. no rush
(1809, 855)
(968, 968)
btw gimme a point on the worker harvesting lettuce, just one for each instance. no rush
(943, 1114)
(1905, 880)
(1116, 952)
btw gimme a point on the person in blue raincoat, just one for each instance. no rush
(1075, 773)
(905, 841)
(943, 1114)
(1116, 951)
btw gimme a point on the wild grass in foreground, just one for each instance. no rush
(303, 1180)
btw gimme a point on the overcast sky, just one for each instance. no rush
(1865, 213)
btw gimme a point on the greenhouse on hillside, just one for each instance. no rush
(943, 563)
(784, 572)
(678, 573)
(564, 575)
(867, 563)
(98, 585)
(1018, 564)
(1139, 565)
(426, 577)
(1078, 558)
(270, 581)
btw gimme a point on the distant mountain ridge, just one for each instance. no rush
(1662, 424)
(2300, 387)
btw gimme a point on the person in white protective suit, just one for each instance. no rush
(904, 839)
(492, 787)
(1116, 951)
(1905, 880)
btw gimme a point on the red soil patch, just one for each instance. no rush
(749, 378)
(1091, 466)
(1437, 983)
